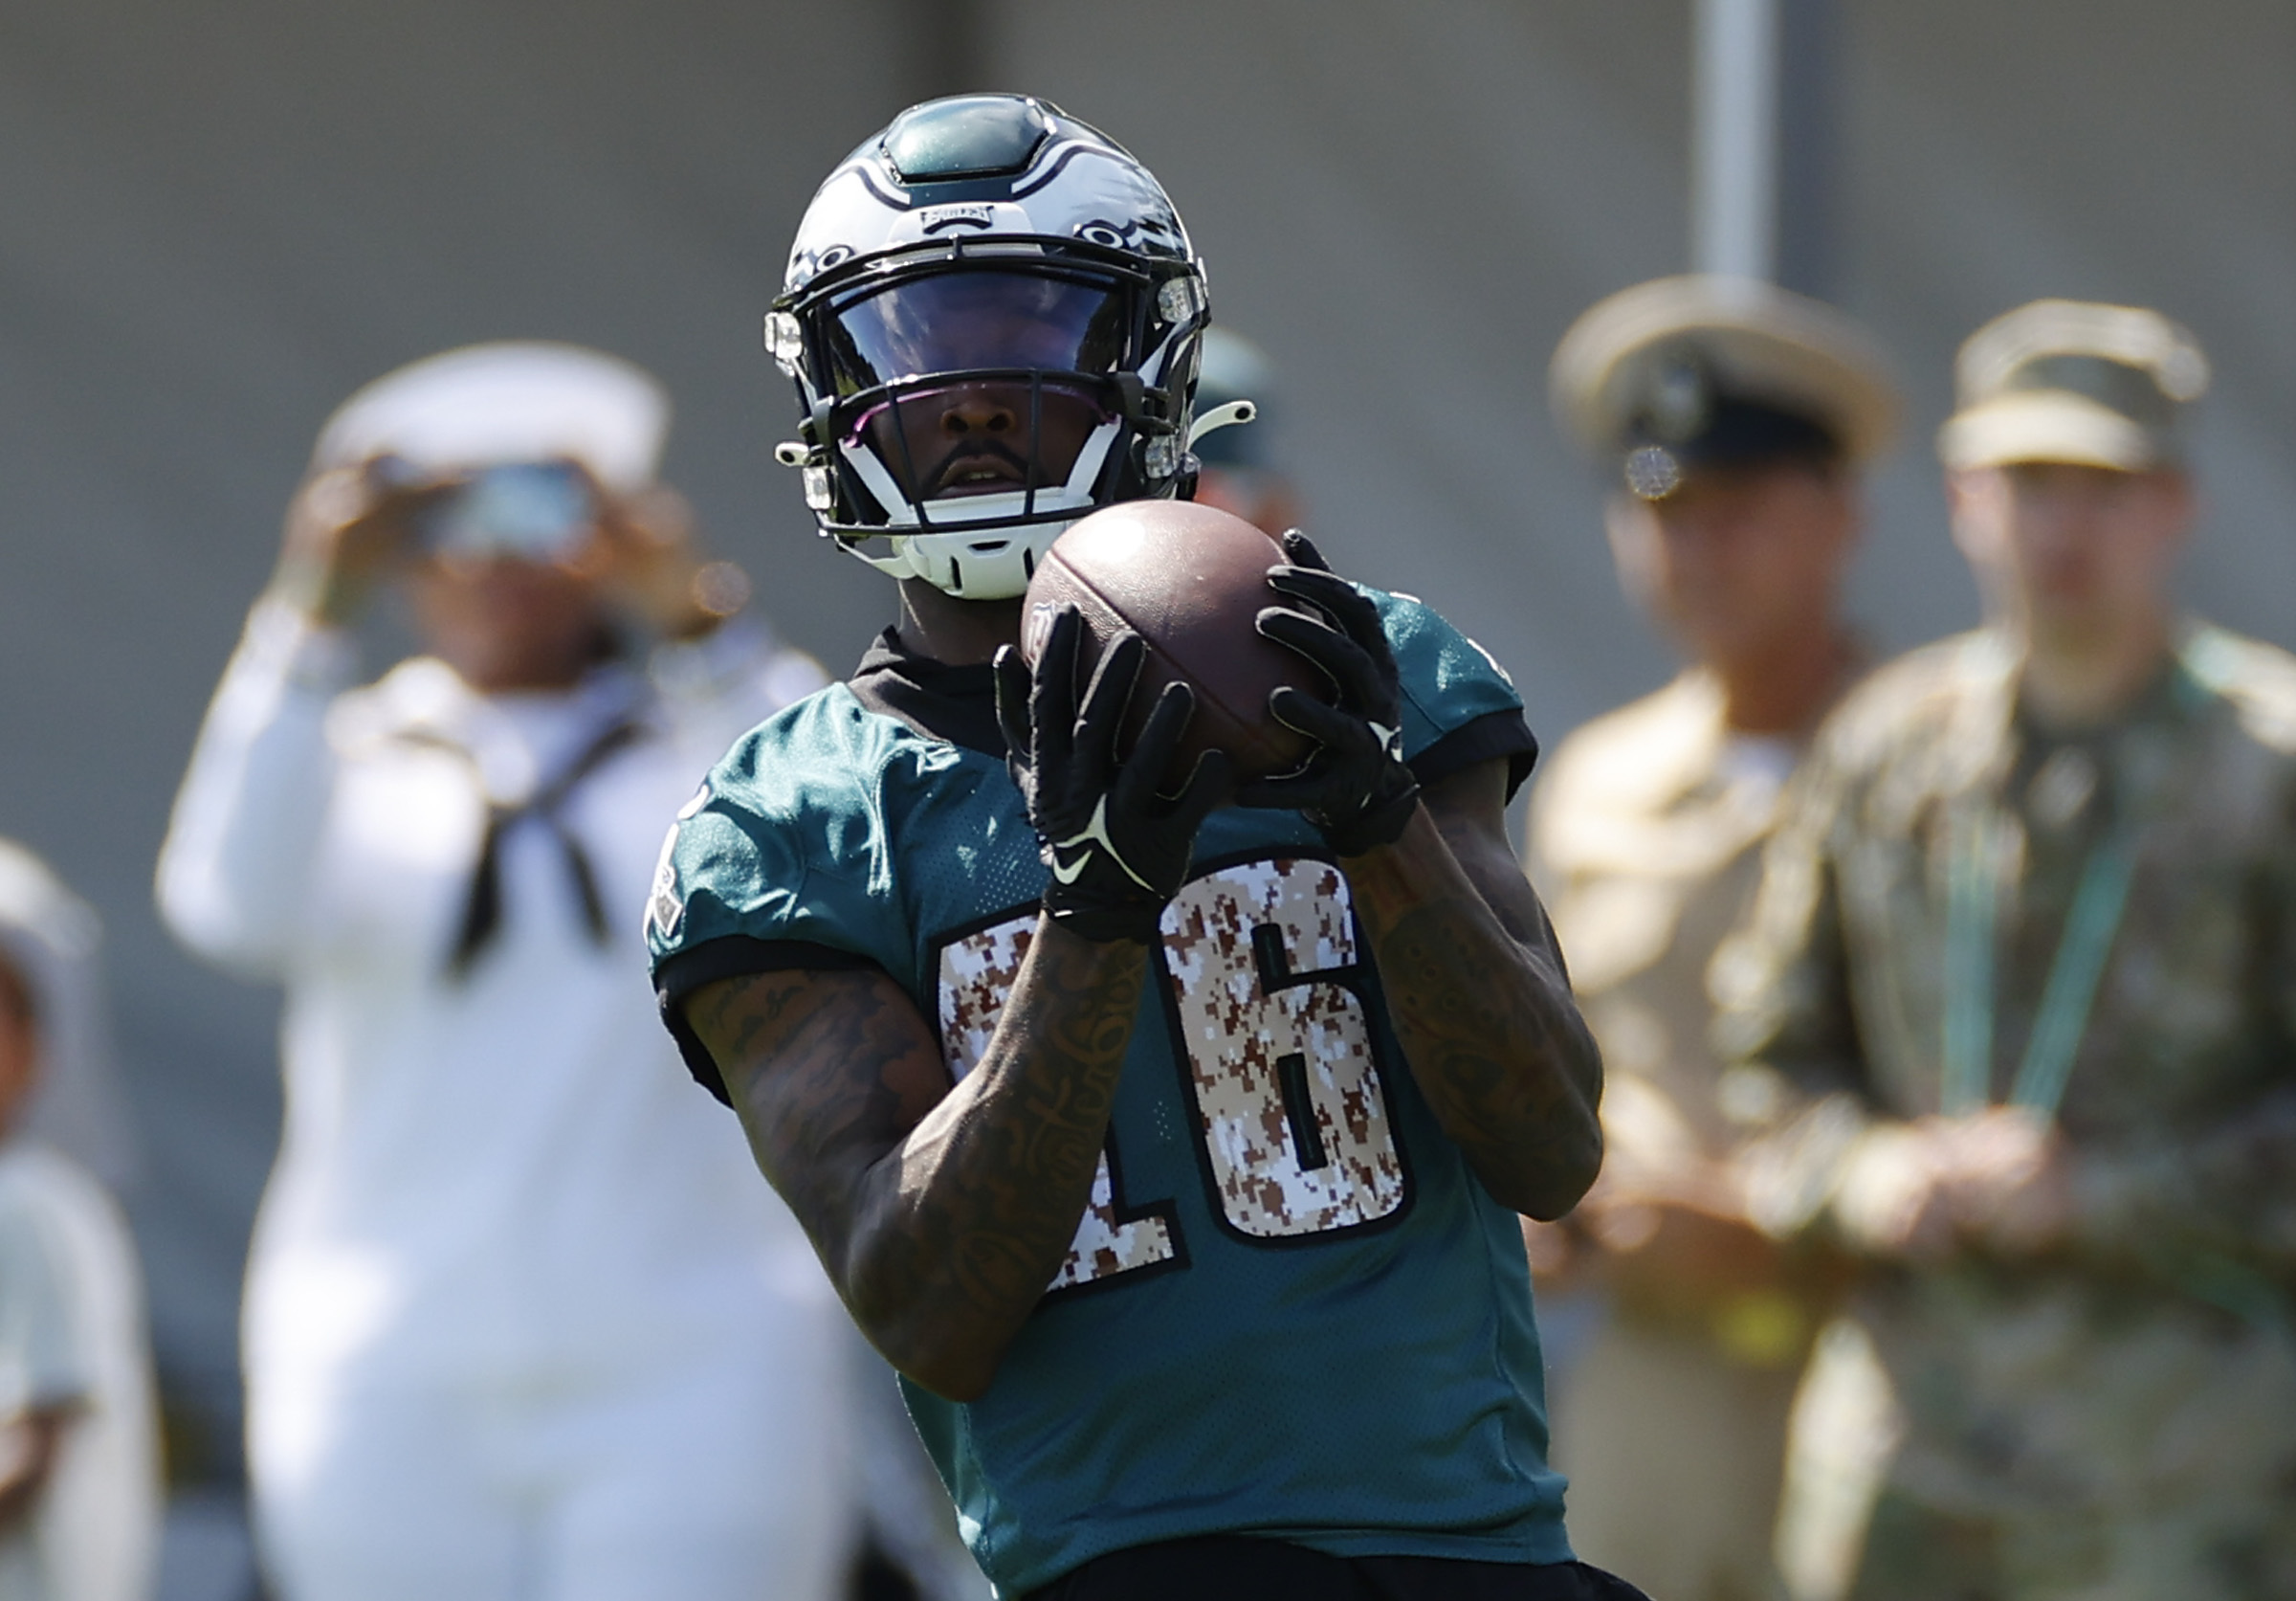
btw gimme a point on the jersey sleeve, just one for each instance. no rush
(1460, 707)
(780, 861)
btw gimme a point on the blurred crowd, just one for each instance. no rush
(1947, 1237)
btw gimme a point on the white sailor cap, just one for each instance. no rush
(507, 402)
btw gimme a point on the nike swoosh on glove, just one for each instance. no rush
(1116, 850)
(1355, 787)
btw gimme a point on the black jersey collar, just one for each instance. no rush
(957, 705)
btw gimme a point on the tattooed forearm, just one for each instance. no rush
(940, 1213)
(976, 1209)
(1482, 1006)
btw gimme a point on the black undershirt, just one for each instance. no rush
(957, 705)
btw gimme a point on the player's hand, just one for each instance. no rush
(347, 529)
(1116, 849)
(1356, 787)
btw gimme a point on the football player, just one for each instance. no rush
(1170, 1150)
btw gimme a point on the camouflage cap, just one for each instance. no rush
(2097, 386)
(1683, 372)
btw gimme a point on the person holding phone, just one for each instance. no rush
(518, 1320)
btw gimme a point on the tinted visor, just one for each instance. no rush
(979, 381)
(972, 321)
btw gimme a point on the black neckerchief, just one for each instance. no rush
(957, 705)
(482, 903)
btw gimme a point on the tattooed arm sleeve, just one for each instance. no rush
(1479, 996)
(941, 1214)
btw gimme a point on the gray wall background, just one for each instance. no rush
(216, 220)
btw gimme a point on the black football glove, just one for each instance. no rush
(1356, 787)
(1116, 850)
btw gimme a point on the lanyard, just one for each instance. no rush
(1972, 920)
(1978, 840)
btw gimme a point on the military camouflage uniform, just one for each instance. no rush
(2118, 1419)
(1645, 839)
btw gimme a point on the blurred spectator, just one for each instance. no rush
(1239, 472)
(80, 1488)
(1736, 415)
(521, 1320)
(2016, 1014)
(78, 1106)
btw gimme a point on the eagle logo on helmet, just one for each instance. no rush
(991, 315)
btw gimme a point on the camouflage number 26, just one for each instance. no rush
(1261, 973)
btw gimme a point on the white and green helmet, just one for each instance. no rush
(987, 265)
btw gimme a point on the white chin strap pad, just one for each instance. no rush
(991, 565)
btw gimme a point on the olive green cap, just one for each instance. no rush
(2072, 381)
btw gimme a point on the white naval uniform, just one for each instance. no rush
(522, 1321)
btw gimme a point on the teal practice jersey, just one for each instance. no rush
(1291, 1310)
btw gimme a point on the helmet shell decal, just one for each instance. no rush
(1080, 186)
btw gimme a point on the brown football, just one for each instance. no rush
(1189, 580)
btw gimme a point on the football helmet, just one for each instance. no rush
(992, 315)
